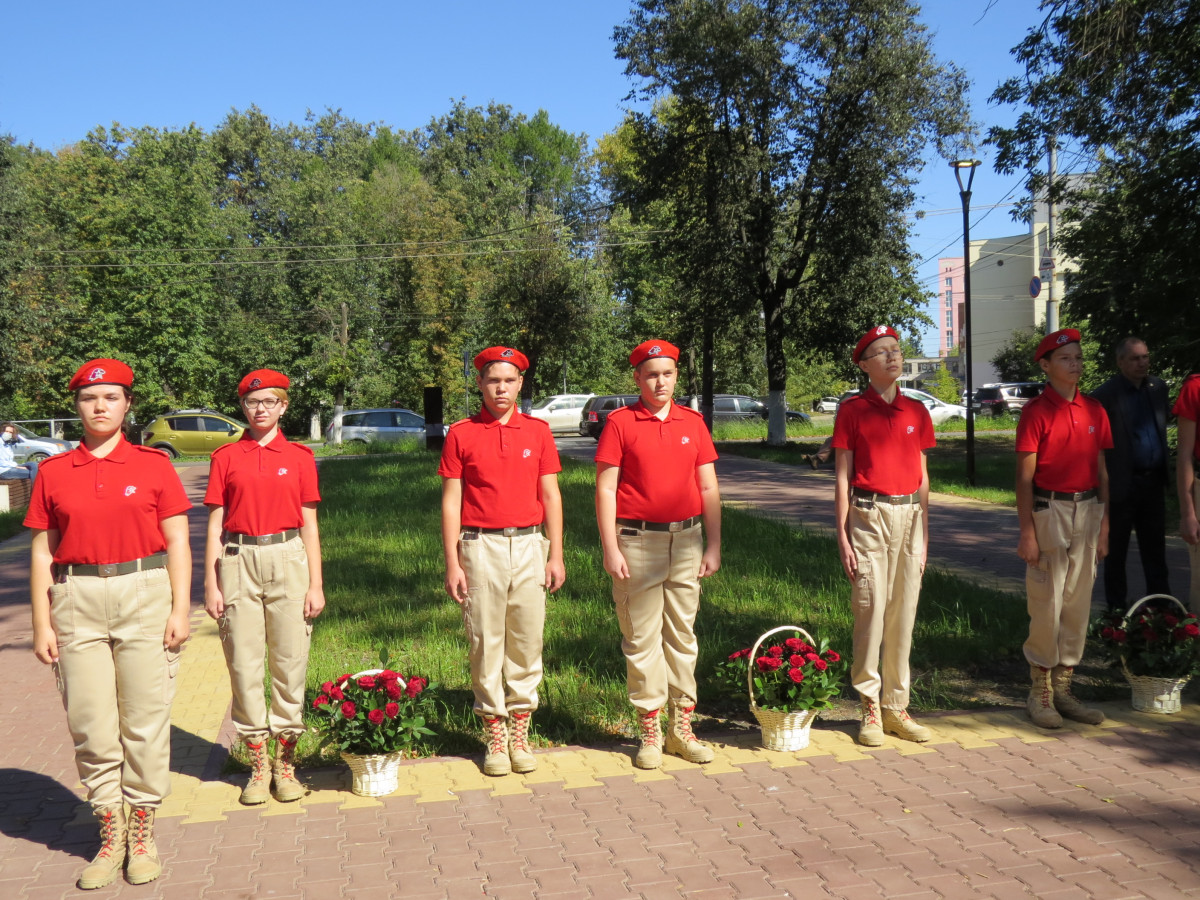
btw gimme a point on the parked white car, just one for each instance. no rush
(562, 411)
(939, 410)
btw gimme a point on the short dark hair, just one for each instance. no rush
(1125, 343)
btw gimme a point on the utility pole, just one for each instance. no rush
(1051, 299)
(339, 396)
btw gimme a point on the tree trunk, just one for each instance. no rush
(339, 407)
(314, 427)
(776, 371)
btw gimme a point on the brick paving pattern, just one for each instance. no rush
(991, 808)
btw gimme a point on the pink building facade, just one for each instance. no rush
(947, 308)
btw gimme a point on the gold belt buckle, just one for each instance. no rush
(108, 570)
(263, 539)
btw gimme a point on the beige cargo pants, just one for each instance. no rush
(888, 541)
(1059, 588)
(656, 609)
(504, 616)
(264, 624)
(1194, 557)
(117, 682)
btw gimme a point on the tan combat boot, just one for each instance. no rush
(519, 754)
(680, 739)
(143, 855)
(258, 788)
(283, 772)
(496, 761)
(870, 731)
(649, 755)
(902, 725)
(107, 864)
(1041, 700)
(1065, 702)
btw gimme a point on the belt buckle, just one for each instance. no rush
(675, 526)
(510, 531)
(108, 570)
(263, 539)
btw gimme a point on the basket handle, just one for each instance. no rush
(1129, 613)
(754, 653)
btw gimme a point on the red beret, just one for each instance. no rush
(1052, 342)
(879, 331)
(502, 354)
(102, 371)
(262, 378)
(651, 349)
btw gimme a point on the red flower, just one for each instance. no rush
(392, 710)
(367, 682)
(394, 691)
(833, 656)
(1171, 620)
(321, 700)
(811, 657)
(1119, 635)
(776, 652)
(1192, 629)
(820, 665)
(796, 675)
(740, 654)
(794, 644)
(796, 660)
(768, 663)
(1107, 632)
(1149, 634)
(336, 694)
(326, 687)
(416, 684)
(345, 677)
(375, 716)
(349, 710)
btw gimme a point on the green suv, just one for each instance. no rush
(191, 432)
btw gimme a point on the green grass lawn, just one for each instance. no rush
(383, 575)
(10, 523)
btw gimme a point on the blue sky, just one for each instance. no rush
(67, 67)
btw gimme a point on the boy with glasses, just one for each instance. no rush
(881, 506)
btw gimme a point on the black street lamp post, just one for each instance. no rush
(967, 351)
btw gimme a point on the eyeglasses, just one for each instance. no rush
(887, 354)
(265, 403)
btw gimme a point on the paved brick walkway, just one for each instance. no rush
(990, 808)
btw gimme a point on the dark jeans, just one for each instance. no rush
(1144, 511)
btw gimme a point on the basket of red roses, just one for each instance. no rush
(794, 681)
(373, 717)
(1156, 642)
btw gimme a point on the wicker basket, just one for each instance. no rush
(1153, 694)
(780, 731)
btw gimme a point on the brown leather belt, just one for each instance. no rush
(108, 570)
(1063, 495)
(642, 525)
(262, 540)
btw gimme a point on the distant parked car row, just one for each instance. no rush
(33, 448)
(939, 410)
(726, 407)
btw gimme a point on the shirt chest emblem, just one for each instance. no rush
(1091, 429)
(685, 439)
(130, 490)
(526, 453)
(282, 471)
(911, 429)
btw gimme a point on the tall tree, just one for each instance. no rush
(1117, 83)
(788, 150)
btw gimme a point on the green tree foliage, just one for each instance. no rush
(944, 386)
(783, 146)
(1014, 361)
(1118, 84)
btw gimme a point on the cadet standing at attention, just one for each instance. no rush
(263, 581)
(110, 580)
(1062, 507)
(656, 480)
(499, 489)
(882, 510)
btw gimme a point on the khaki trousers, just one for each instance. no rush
(1059, 587)
(1194, 556)
(117, 682)
(504, 616)
(888, 541)
(264, 623)
(656, 609)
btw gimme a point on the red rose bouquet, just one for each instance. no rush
(788, 677)
(1160, 640)
(375, 712)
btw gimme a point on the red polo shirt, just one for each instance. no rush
(887, 440)
(262, 487)
(1067, 436)
(1188, 405)
(501, 467)
(658, 459)
(106, 510)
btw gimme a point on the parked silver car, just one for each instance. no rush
(366, 425)
(32, 448)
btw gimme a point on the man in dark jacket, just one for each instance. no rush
(1136, 403)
